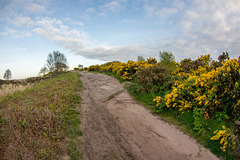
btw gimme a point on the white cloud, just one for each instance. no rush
(161, 12)
(15, 34)
(54, 30)
(111, 53)
(35, 8)
(126, 21)
(73, 22)
(149, 9)
(90, 10)
(113, 6)
(165, 12)
(179, 4)
(216, 22)
(102, 14)
(203, 27)
(200, 31)
(78, 42)
(18, 12)
(20, 20)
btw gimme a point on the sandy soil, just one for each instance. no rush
(115, 126)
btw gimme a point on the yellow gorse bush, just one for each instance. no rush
(128, 69)
(95, 68)
(158, 100)
(224, 137)
(208, 88)
(125, 71)
(214, 90)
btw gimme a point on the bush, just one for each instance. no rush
(84, 69)
(167, 59)
(76, 69)
(189, 66)
(152, 60)
(111, 66)
(125, 71)
(213, 91)
(95, 68)
(153, 77)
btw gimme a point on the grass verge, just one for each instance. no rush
(42, 122)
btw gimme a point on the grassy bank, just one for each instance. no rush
(42, 122)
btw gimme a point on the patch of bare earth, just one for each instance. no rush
(115, 126)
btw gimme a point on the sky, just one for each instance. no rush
(91, 32)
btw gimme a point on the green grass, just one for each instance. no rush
(42, 122)
(184, 121)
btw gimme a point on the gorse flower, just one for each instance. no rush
(206, 87)
(224, 137)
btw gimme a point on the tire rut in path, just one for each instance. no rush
(115, 126)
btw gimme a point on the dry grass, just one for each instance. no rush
(6, 89)
(33, 122)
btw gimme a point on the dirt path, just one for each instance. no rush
(115, 126)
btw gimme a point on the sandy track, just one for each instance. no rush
(115, 126)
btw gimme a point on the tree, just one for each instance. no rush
(7, 75)
(140, 58)
(80, 66)
(43, 70)
(167, 59)
(56, 62)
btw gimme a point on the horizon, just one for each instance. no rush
(94, 32)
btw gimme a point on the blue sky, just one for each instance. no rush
(96, 31)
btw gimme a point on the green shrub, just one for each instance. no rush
(152, 77)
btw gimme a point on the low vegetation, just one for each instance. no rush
(11, 86)
(6, 89)
(202, 96)
(42, 122)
